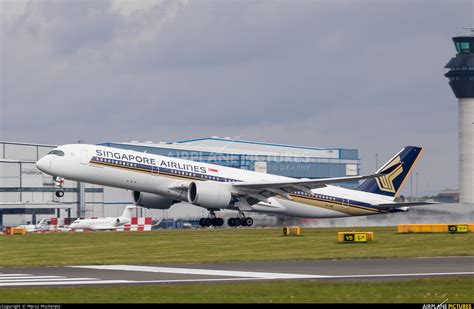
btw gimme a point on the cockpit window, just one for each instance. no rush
(57, 153)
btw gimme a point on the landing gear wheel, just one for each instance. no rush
(237, 221)
(214, 221)
(201, 222)
(219, 222)
(248, 221)
(230, 222)
(60, 193)
(207, 222)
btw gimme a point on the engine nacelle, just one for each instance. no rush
(149, 200)
(121, 221)
(209, 194)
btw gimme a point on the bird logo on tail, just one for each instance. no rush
(385, 183)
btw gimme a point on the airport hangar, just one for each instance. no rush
(27, 195)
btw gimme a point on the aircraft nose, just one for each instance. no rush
(43, 164)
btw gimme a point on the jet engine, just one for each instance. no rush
(209, 194)
(149, 200)
(121, 221)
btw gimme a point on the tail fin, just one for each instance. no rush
(391, 184)
(128, 212)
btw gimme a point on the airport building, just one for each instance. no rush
(27, 195)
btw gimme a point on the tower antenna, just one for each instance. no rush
(469, 29)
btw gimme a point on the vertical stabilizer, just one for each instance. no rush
(128, 212)
(390, 184)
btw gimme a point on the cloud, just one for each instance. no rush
(367, 75)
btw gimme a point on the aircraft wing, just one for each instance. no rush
(261, 190)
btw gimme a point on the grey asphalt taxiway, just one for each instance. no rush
(368, 269)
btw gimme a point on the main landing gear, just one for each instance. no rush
(211, 220)
(241, 220)
(59, 183)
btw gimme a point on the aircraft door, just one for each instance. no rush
(84, 157)
(345, 201)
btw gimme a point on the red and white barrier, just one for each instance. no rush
(136, 224)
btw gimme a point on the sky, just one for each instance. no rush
(352, 74)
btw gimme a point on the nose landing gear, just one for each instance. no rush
(59, 183)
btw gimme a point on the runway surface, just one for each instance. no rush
(373, 269)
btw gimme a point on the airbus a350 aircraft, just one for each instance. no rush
(159, 182)
(108, 223)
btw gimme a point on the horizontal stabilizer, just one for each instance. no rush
(396, 205)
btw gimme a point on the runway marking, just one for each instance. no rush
(11, 280)
(206, 272)
(404, 275)
(87, 282)
(33, 280)
(48, 279)
(309, 277)
(28, 277)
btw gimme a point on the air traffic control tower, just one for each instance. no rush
(461, 80)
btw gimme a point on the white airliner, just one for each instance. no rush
(160, 181)
(41, 226)
(108, 223)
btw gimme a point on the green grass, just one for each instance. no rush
(220, 245)
(433, 290)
